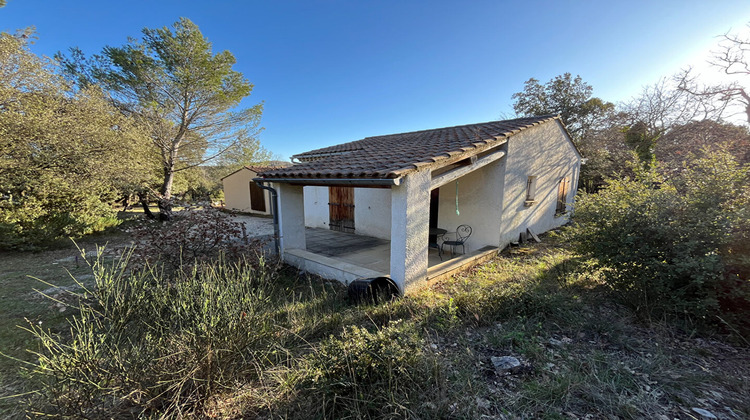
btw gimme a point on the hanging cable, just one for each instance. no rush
(457, 212)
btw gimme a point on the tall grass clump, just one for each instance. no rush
(142, 343)
(366, 373)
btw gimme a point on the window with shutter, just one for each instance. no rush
(562, 195)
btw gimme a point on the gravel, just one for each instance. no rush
(256, 226)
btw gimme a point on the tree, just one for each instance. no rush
(731, 59)
(570, 97)
(186, 95)
(61, 154)
(696, 137)
(248, 153)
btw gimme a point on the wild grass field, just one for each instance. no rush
(292, 346)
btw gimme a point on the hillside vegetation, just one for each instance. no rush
(255, 340)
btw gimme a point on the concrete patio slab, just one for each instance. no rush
(333, 254)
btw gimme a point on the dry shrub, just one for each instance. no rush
(195, 235)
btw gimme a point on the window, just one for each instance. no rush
(530, 191)
(562, 195)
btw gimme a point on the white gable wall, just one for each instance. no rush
(542, 151)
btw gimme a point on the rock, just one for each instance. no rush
(505, 362)
(705, 413)
(433, 346)
(555, 342)
(558, 343)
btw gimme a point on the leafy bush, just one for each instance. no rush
(140, 345)
(195, 235)
(48, 210)
(62, 163)
(664, 242)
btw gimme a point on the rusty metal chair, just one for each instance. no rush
(461, 234)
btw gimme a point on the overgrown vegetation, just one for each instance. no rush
(61, 163)
(118, 127)
(252, 340)
(667, 242)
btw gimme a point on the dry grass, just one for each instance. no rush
(428, 355)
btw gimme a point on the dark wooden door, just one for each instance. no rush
(434, 204)
(341, 208)
(257, 199)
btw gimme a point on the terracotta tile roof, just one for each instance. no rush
(394, 155)
(259, 169)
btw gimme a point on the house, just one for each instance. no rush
(499, 177)
(242, 194)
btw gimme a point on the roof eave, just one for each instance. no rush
(361, 182)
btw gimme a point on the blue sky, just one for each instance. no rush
(335, 71)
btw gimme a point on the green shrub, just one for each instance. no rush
(49, 211)
(662, 240)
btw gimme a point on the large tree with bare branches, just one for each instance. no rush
(187, 96)
(733, 58)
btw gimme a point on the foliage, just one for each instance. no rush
(641, 140)
(681, 141)
(184, 93)
(195, 235)
(565, 95)
(249, 153)
(662, 241)
(61, 165)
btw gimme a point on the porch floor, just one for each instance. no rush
(364, 251)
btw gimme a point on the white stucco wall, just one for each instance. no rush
(542, 151)
(410, 207)
(372, 210)
(316, 207)
(291, 217)
(479, 205)
(237, 192)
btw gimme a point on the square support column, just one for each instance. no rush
(410, 224)
(291, 217)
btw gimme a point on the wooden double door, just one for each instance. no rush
(341, 209)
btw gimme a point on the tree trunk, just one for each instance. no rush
(144, 203)
(165, 201)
